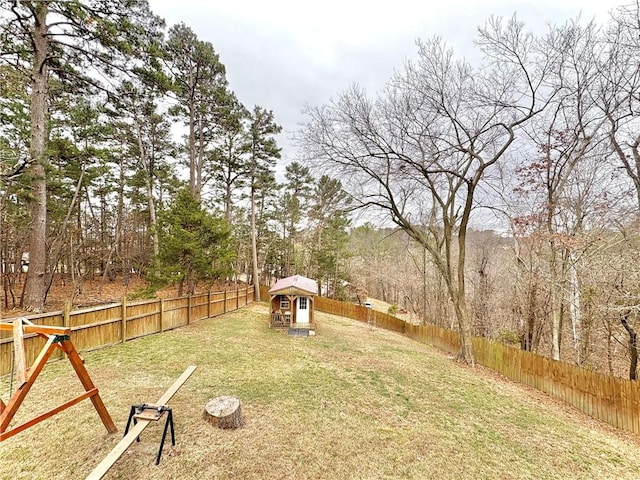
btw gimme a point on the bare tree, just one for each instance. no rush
(619, 92)
(564, 179)
(419, 151)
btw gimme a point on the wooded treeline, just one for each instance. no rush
(538, 135)
(125, 151)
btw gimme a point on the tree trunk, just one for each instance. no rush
(466, 346)
(254, 247)
(200, 159)
(609, 348)
(35, 289)
(633, 345)
(532, 312)
(192, 152)
(227, 202)
(224, 412)
(575, 311)
(424, 286)
(56, 249)
(481, 297)
(556, 310)
(459, 300)
(148, 181)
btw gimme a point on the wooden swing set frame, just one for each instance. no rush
(56, 338)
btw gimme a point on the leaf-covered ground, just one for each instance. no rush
(350, 403)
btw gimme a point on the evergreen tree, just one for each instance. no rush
(147, 133)
(77, 150)
(328, 225)
(263, 154)
(295, 204)
(195, 245)
(14, 192)
(229, 163)
(200, 85)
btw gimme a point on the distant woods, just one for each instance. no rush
(502, 194)
(537, 138)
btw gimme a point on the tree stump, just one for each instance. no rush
(224, 412)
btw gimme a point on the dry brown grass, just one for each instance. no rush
(350, 403)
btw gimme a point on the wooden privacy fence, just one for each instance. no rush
(119, 322)
(363, 314)
(607, 398)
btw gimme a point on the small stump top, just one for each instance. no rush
(224, 412)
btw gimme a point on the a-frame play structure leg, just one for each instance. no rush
(57, 337)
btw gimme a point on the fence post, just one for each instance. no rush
(65, 313)
(123, 323)
(224, 305)
(209, 303)
(66, 309)
(188, 309)
(161, 316)
(237, 297)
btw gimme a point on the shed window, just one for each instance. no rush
(303, 303)
(284, 303)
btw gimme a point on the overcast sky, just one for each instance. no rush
(283, 54)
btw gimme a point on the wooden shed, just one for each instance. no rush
(292, 300)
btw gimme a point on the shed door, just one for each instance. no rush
(302, 314)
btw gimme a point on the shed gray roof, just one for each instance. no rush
(298, 282)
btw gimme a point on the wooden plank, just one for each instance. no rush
(123, 325)
(18, 352)
(176, 386)
(43, 329)
(108, 461)
(161, 316)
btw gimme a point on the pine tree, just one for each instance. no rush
(298, 190)
(263, 154)
(229, 164)
(195, 245)
(328, 224)
(200, 86)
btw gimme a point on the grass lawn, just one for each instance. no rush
(350, 403)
